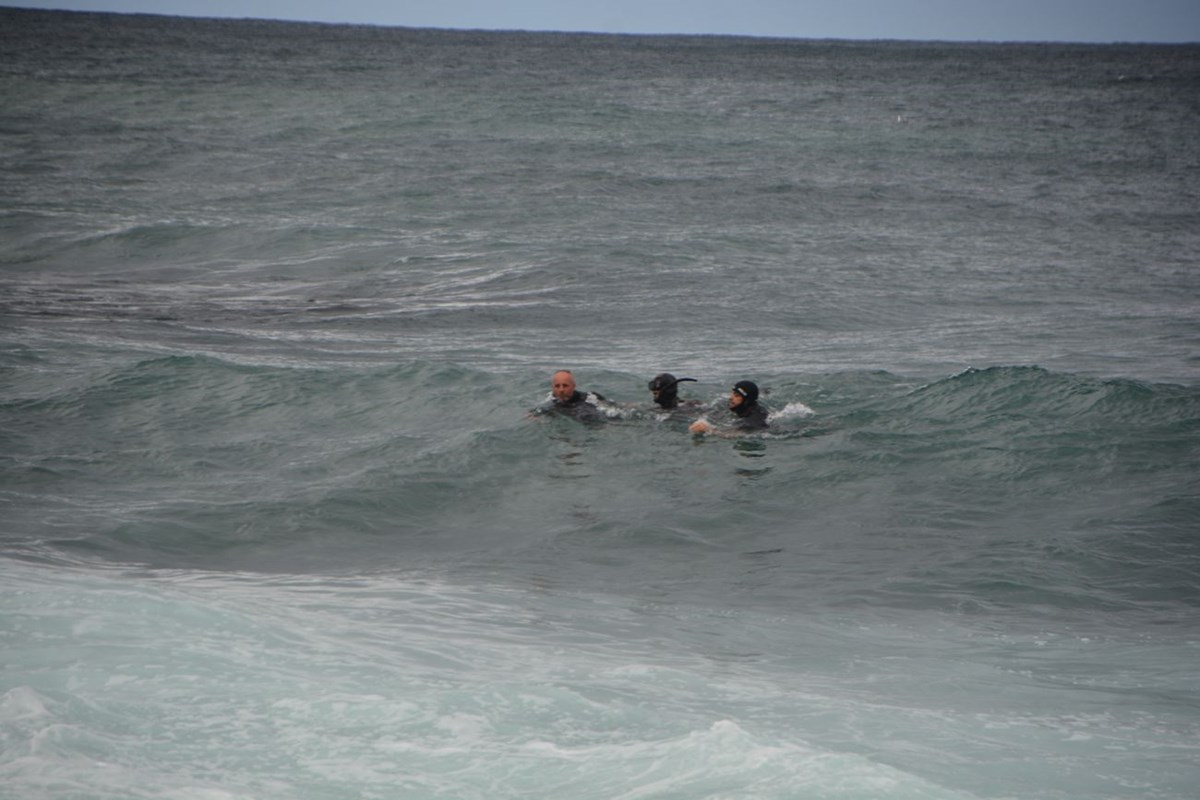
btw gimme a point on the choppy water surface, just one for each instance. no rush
(276, 301)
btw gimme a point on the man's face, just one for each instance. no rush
(562, 386)
(735, 399)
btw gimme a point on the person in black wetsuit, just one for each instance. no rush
(568, 401)
(743, 404)
(664, 388)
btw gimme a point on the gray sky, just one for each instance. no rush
(987, 20)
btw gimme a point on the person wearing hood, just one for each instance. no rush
(664, 388)
(743, 404)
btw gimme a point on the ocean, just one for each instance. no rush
(277, 301)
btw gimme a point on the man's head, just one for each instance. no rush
(743, 395)
(562, 385)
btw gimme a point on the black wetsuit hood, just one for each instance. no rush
(749, 413)
(666, 387)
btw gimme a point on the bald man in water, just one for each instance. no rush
(562, 386)
(566, 399)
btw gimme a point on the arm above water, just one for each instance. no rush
(756, 421)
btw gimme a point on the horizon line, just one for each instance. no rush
(586, 32)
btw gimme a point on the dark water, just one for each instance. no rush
(276, 300)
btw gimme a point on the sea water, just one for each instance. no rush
(276, 301)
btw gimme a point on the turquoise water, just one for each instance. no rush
(277, 301)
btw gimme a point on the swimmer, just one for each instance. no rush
(743, 404)
(565, 399)
(664, 388)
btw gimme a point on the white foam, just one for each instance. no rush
(22, 703)
(793, 410)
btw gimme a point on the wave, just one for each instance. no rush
(994, 488)
(1006, 400)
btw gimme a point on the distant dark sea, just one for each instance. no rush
(276, 301)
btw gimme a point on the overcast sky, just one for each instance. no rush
(988, 20)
